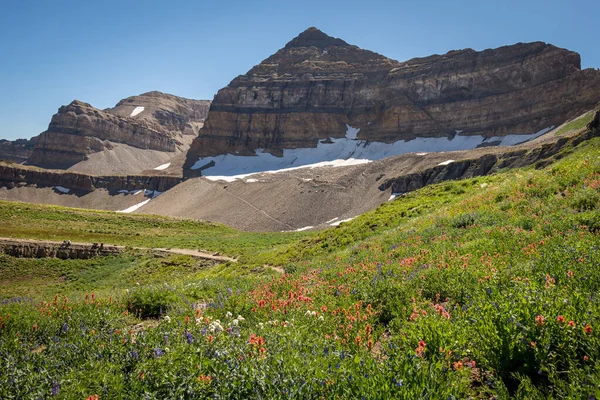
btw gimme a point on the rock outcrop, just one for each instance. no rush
(45, 249)
(17, 151)
(317, 85)
(154, 120)
(12, 175)
(485, 165)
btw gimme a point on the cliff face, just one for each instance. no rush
(12, 175)
(316, 85)
(155, 121)
(17, 151)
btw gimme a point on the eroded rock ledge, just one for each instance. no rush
(44, 249)
(489, 163)
(12, 175)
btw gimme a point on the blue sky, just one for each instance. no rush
(102, 51)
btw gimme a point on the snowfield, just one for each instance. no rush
(136, 111)
(342, 152)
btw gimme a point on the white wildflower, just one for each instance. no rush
(235, 322)
(167, 319)
(228, 314)
(240, 318)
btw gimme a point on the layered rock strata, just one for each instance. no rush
(43, 249)
(488, 164)
(17, 151)
(154, 120)
(317, 86)
(12, 175)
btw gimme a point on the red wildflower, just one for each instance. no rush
(204, 379)
(458, 365)
(571, 323)
(588, 329)
(92, 397)
(585, 358)
(539, 320)
(532, 344)
(560, 319)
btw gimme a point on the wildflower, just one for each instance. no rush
(571, 323)
(420, 350)
(55, 387)
(92, 397)
(228, 314)
(206, 379)
(588, 329)
(458, 365)
(235, 322)
(532, 344)
(210, 338)
(585, 358)
(539, 320)
(570, 274)
(35, 327)
(240, 318)
(167, 319)
(158, 352)
(188, 337)
(560, 319)
(187, 319)
(324, 309)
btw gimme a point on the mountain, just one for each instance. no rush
(322, 93)
(136, 135)
(17, 150)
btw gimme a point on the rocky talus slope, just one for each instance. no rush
(317, 85)
(151, 121)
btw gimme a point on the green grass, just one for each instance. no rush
(576, 124)
(22, 220)
(482, 288)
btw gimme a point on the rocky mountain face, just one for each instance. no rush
(317, 86)
(17, 151)
(12, 176)
(154, 120)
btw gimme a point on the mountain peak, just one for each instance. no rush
(314, 37)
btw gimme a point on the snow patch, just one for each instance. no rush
(304, 229)
(340, 221)
(134, 207)
(62, 189)
(394, 195)
(421, 154)
(351, 133)
(163, 166)
(343, 151)
(231, 178)
(251, 180)
(136, 111)
(446, 162)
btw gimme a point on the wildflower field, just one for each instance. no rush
(481, 288)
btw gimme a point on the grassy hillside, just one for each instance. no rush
(483, 288)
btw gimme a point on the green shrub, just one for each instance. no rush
(151, 303)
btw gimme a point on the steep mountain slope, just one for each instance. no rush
(321, 195)
(139, 133)
(319, 90)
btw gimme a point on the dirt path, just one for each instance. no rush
(188, 252)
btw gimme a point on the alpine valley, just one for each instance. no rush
(333, 224)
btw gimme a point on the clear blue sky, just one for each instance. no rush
(52, 52)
